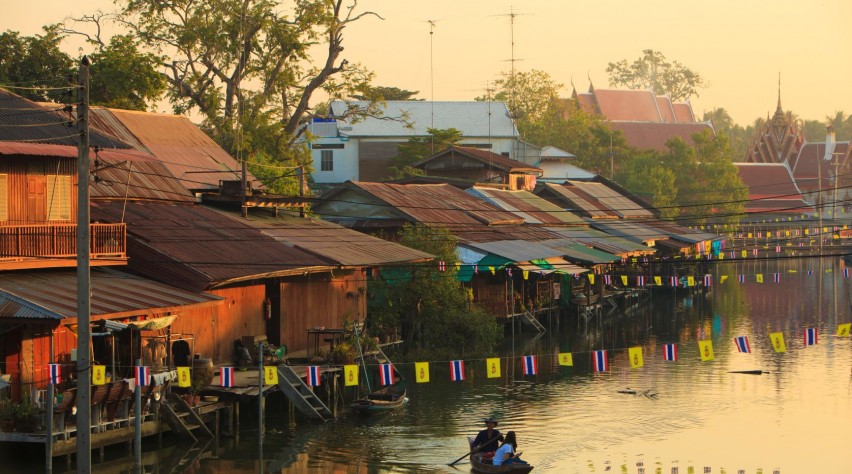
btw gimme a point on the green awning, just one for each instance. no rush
(465, 274)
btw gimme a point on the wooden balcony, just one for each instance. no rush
(55, 245)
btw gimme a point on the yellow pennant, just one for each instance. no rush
(270, 375)
(723, 278)
(526, 274)
(98, 374)
(759, 277)
(769, 233)
(635, 354)
(624, 280)
(591, 278)
(458, 266)
(787, 233)
(745, 254)
(350, 375)
(705, 348)
(807, 231)
(493, 271)
(493, 364)
(843, 329)
(777, 339)
(421, 372)
(184, 377)
(749, 235)
(690, 281)
(721, 256)
(658, 281)
(566, 358)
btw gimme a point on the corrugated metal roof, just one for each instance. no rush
(602, 196)
(528, 206)
(472, 119)
(457, 156)
(53, 294)
(602, 241)
(23, 120)
(193, 247)
(629, 230)
(420, 203)
(581, 253)
(190, 155)
(485, 233)
(342, 245)
(517, 250)
(679, 232)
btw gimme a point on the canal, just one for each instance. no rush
(696, 415)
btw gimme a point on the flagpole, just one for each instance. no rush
(137, 411)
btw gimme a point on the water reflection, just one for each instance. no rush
(795, 418)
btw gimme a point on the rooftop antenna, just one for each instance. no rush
(432, 24)
(512, 60)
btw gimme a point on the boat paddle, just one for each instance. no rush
(473, 451)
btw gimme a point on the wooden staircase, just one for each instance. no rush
(303, 398)
(183, 420)
(530, 319)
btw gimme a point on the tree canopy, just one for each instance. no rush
(383, 93)
(653, 71)
(419, 148)
(35, 62)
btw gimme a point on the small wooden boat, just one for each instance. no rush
(477, 465)
(381, 401)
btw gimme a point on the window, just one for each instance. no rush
(327, 160)
(58, 198)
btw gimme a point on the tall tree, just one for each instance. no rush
(124, 77)
(384, 93)
(419, 148)
(34, 62)
(653, 71)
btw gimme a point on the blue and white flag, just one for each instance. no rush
(54, 374)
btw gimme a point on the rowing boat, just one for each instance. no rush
(381, 401)
(486, 468)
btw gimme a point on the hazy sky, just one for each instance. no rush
(739, 47)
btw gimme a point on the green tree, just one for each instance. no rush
(738, 136)
(419, 148)
(653, 71)
(123, 77)
(36, 62)
(430, 306)
(384, 93)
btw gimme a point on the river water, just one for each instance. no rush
(797, 418)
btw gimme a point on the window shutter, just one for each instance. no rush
(59, 198)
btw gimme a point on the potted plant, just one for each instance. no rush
(23, 414)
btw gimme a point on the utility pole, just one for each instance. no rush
(84, 286)
(303, 185)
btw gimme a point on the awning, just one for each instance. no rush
(154, 324)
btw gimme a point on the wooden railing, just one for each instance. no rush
(42, 243)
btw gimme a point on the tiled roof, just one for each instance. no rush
(808, 161)
(634, 105)
(771, 188)
(460, 153)
(683, 113)
(533, 209)
(53, 294)
(413, 118)
(193, 247)
(654, 135)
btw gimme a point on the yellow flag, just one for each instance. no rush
(759, 277)
(493, 271)
(565, 358)
(635, 354)
(723, 278)
(705, 348)
(493, 364)
(98, 374)
(421, 372)
(184, 377)
(591, 278)
(350, 375)
(270, 375)
(843, 329)
(769, 233)
(749, 236)
(777, 339)
(624, 280)
(690, 281)
(807, 231)
(658, 281)
(745, 254)
(787, 233)
(721, 256)
(526, 274)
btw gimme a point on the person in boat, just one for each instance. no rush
(487, 441)
(507, 452)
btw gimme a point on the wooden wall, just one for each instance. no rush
(18, 194)
(492, 295)
(319, 301)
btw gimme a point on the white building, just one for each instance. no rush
(359, 149)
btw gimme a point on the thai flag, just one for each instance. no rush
(777, 249)
(313, 376)
(742, 343)
(54, 374)
(608, 279)
(708, 280)
(509, 272)
(386, 374)
(601, 361)
(143, 375)
(810, 336)
(476, 270)
(226, 377)
(754, 252)
(846, 272)
(776, 277)
(456, 370)
(530, 365)
(670, 352)
(733, 254)
(810, 272)
(442, 265)
(640, 281)
(673, 281)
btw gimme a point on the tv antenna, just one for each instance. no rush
(432, 25)
(512, 14)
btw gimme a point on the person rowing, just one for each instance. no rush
(487, 441)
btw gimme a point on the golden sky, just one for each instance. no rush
(739, 47)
